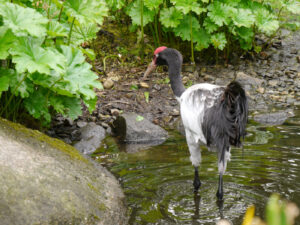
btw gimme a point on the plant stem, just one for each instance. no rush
(142, 32)
(154, 36)
(12, 94)
(156, 30)
(106, 57)
(70, 33)
(192, 44)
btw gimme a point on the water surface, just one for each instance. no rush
(158, 181)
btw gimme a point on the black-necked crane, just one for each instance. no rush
(212, 115)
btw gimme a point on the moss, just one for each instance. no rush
(34, 134)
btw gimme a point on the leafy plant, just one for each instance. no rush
(43, 67)
(222, 24)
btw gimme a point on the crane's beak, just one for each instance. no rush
(150, 69)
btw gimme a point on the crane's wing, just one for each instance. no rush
(194, 102)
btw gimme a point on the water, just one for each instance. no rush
(158, 181)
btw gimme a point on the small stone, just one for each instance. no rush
(273, 83)
(167, 119)
(260, 90)
(157, 87)
(108, 84)
(115, 112)
(81, 124)
(208, 78)
(185, 80)
(175, 112)
(144, 85)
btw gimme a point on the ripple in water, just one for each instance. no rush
(158, 181)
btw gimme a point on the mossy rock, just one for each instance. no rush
(45, 181)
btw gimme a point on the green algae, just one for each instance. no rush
(35, 134)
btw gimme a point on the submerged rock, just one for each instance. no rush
(133, 128)
(273, 118)
(45, 181)
(91, 138)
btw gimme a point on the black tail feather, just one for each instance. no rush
(224, 124)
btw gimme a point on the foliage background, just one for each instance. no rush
(44, 54)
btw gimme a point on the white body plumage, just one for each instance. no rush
(194, 103)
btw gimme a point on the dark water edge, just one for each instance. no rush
(158, 181)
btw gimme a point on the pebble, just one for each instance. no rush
(144, 85)
(273, 83)
(260, 90)
(108, 83)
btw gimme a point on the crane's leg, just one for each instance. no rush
(197, 182)
(223, 157)
(195, 157)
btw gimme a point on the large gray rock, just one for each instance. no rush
(248, 82)
(45, 181)
(273, 118)
(132, 128)
(91, 138)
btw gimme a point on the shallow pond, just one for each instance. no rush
(158, 181)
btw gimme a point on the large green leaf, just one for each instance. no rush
(218, 40)
(67, 106)
(209, 25)
(20, 84)
(86, 11)
(115, 4)
(4, 79)
(202, 38)
(134, 11)
(6, 41)
(55, 29)
(23, 21)
(37, 105)
(243, 17)
(84, 33)
(220, 13)
(153, 4)
(266, 21)
(30, 56)
(80, 79)
(184, 28)
(186, 6)
(170, 17)
(293, 6)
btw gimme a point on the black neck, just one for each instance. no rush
(175, 80)
(174, 61)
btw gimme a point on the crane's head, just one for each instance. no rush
(158, 59)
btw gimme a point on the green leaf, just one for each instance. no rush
(55, 29)
(84, 33)
(134, 11)
(245, 37)
(139, 118)
(37, 105)
(4, 79)
(220, 13)
(89, 53)
(186, 6)
(209, 25)
(219, 40)
(146, 94)
(183, 30)
(115, 4)
(78, 75)
(243, 17)
(23, 21)
(153, 4)
(86, 11)
(20, 85)
(91, 103)
(170, 17)
(7, 40)
(67, 106)
(293, 6)
(202, 38)
(30, 56)
(265, 21)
